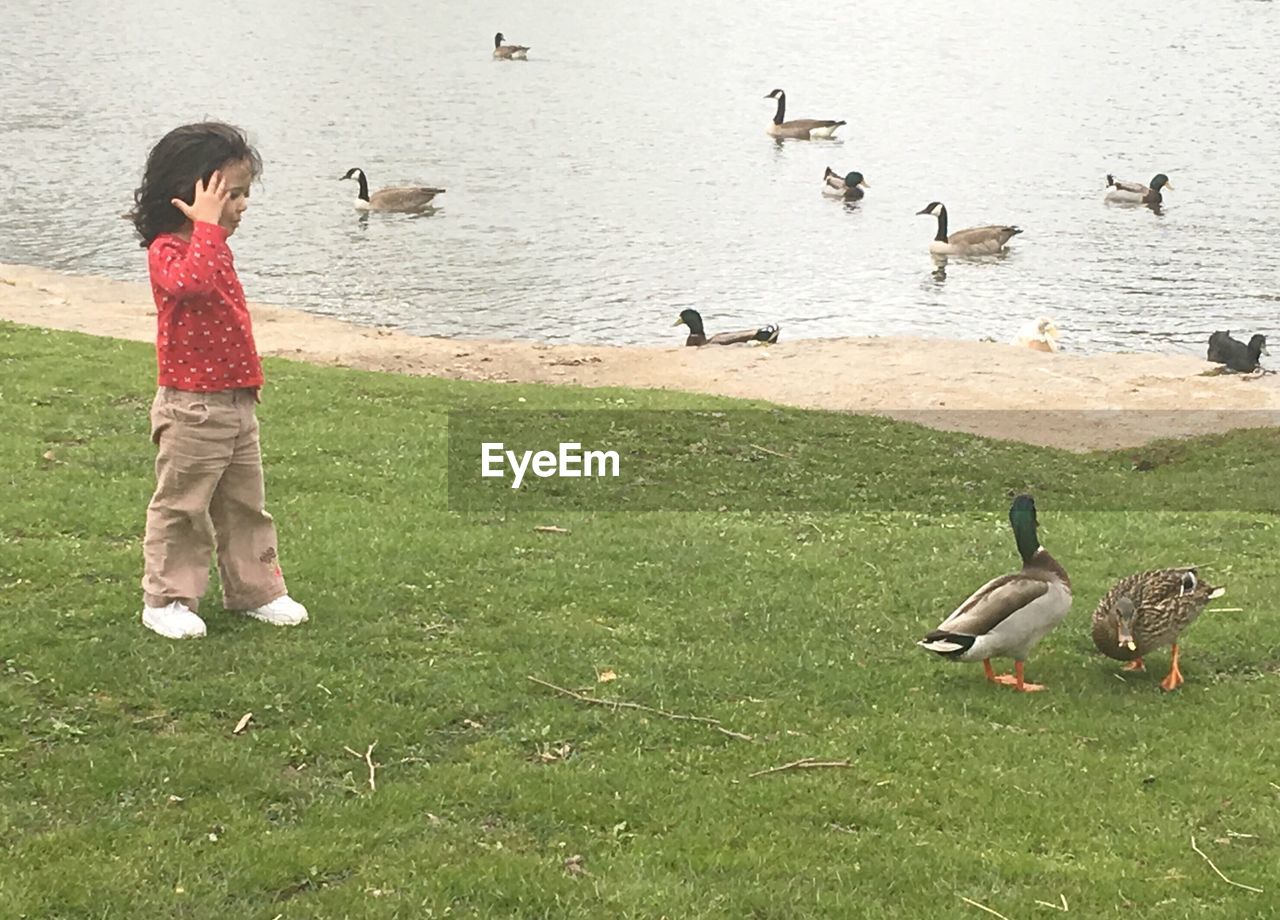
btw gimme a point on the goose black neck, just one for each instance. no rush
(497, 41)
(364, 186)
(782, 109)
(942, 225)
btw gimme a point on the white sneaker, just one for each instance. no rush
(173, 621)
(283, 611)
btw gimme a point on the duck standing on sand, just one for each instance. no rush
(1007, 616)
(698, 336)
(1236, 355)
(1148, 611)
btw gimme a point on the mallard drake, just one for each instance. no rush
(698, 336)
(509, 52)
(849, 186)
(1136, 192)
(1008, 615)
(1238, 356)
(1148, 611)
(1039, 335)
(805, 129)
(405, 198)
(974, 241)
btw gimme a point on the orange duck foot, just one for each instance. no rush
(1174, 679)
(1017, 680)
(1135, 665)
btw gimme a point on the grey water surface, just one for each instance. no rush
(624, 172)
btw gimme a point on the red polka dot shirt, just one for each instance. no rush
(204, 335)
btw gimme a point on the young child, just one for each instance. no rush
(209, 486)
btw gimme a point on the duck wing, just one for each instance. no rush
(763, 334)
(975, 236)
(404, 197)
(1138, 188)
(990, 606)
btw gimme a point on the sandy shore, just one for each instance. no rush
(1002, 391)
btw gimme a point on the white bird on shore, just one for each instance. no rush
(1039, 335)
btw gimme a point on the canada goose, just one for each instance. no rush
(846, 187)
(1136, 192)
(1008, 615)
(1238, 356)
(1039, 335)
(698, 336)
(974, 241)
(403, 198)
(1148, 611)
(802, 128)
(509, 52)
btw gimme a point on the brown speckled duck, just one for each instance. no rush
(1147, 611)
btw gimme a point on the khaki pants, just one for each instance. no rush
(209, 489)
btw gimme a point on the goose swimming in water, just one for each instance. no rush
(407, 199)
(503, 52)
(802, 128)
(973, 241)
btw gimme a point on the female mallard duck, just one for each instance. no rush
(849, 186)
(1148, 611)
(1008, 615)
(409, 199)
(806, 129)
(972, 242)
(698, 336)
(1136, 192)
(503, 52)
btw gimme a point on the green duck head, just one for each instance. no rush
(854, 179)
(691, 318)
(1022, 518)
(1159, 182)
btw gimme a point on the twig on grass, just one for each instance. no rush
(1219, 871)
(1063, 908)
(765, 450)
(549, 528)
(984, 907)
(367, 757)
(619, 704)
(804, 763)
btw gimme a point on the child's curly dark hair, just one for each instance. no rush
(183, 155)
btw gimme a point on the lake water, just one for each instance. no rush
(624, 171)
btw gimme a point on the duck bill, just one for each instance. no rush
(1124, 636)
(1169, 186)
(679, 321)
(864, 183)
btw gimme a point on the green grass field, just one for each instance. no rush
(126, 793)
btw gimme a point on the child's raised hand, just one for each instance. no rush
(209, 199)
